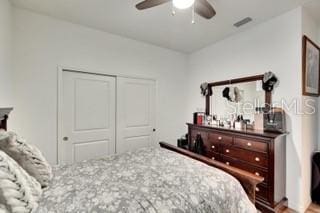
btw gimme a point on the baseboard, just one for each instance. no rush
(265, 208)
(298, 206)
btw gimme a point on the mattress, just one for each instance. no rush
(146, 180)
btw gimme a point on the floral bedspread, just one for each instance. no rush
(146, 180)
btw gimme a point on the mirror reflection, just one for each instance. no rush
(237, 99)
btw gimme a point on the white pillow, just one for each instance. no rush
(19, 192)
(28, 157)
(3, 208)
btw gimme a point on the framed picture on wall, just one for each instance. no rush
(311, 68)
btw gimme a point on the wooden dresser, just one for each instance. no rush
(258, 152)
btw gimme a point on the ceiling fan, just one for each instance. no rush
(201, 7)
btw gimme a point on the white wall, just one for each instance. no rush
(272, 46)
(42, 43)
(319, 33)
(5, 54)
(310, 124)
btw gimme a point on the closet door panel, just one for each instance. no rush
(135, 113)
(88, 117)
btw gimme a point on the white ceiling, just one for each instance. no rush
(156, 25)
(313, 8)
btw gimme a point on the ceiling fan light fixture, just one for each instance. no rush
(182, 4)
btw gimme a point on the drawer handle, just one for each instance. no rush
(213, 158)
(213, 147)
(220, 138)
(227, 150)
(249, 144)
(228, 163)
(257, 159)
(257, 173)
(257, 189)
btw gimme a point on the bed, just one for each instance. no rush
(146, 180)
(162, 179)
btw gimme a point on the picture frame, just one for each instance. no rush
(310, 68)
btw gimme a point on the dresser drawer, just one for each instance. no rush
(213, 156)
(254, 158)
(244, 166)
(195, 132)
(262, 192)
(217, 138)
(206, 145)
(251, 144)
(204, 137)
(214, 147)
(229, 161)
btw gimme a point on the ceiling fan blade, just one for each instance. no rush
(204, 9)
(150, 3)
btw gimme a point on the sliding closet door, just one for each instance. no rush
(88, 117)
(135, 113)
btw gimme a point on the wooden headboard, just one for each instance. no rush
(4, 114)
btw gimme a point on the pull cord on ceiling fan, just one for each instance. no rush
(201, 7)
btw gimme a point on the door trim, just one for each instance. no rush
(60, 70)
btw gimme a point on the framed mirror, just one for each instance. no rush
(242, 96)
